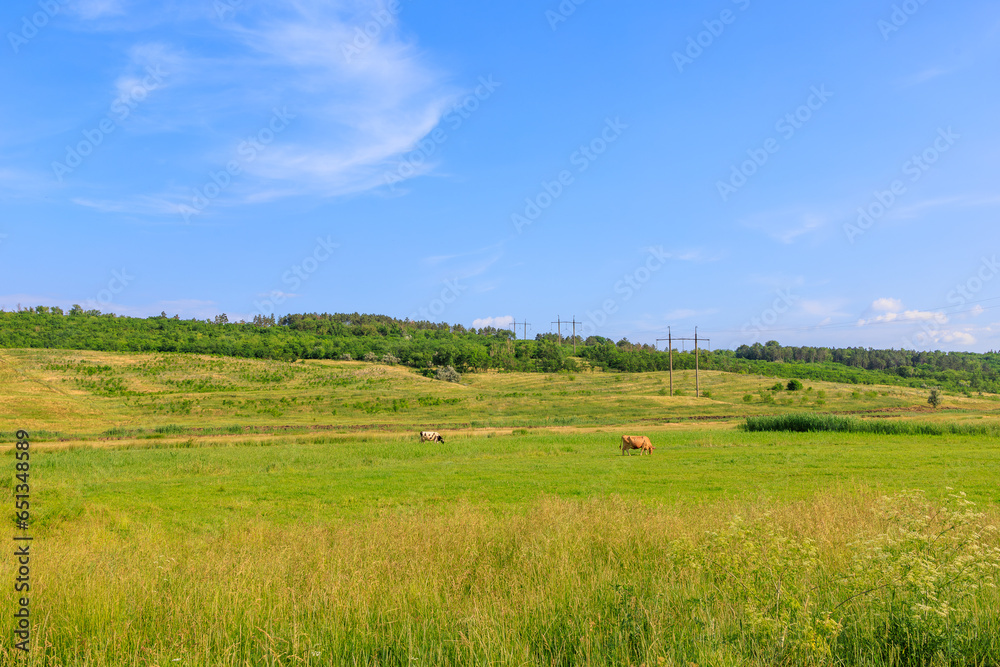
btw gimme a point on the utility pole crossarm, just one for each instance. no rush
(670, 347)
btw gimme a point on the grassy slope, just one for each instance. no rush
(81, 395)
(510, 549)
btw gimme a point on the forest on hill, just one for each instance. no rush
(427, 346)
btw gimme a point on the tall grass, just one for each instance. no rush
(838, 580)
(807, 422)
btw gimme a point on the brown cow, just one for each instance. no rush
(640, 442)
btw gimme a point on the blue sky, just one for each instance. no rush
(814, 173)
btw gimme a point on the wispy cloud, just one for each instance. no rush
(924, 76)
(787, 225)
(918, 209)
(95, 9)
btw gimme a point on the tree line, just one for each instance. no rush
(427, 346)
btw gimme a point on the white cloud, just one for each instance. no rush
(887, 305)
(503, 322)
(892, 311)
(960, 337)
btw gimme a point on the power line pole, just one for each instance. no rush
(521, 324)
(560, 324)
(670, 354)
(670, 344)
(574, 323)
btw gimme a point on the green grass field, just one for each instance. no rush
(206, 511)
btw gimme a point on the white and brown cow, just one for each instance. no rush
(431, 436)
(640, 442)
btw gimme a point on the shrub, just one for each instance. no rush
(707, 393)
(777, 387)
(448, 374)
(370, 356)
(748, 398)
(390, 359)
(346, 357)
(794, 385)
(934, 399)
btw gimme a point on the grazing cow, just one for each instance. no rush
(431, 436)
(640, 442)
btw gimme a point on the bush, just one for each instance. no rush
(706, 394)
(748, 398)
(370, 356)
(777, 387)
(346, 357)
(448, 374)
(794, 385)
(390, 359)
(934, 399)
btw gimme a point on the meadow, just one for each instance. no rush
(200, 510)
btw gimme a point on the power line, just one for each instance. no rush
(559, 322)
(517, 324)
(670, 345)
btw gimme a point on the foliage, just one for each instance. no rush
(794, 385)
(810, 422)
(448, 374)
(934, 399)
(426, 345)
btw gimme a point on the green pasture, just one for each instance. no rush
(295, 480)
(201, 511)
